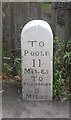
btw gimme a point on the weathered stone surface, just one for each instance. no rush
(37, 61)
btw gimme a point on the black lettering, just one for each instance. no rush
(39, 63)
(41, 43)
(35, 71)
(25, 52)
(32, 53)
(24, 83)
(34, 77)
(36, 91)
(41, 53)
(33, 63)
(32, 42)
(40, 78)
(46, 72)
(27, 71)
(46, 53)
(37, 53)
(28, 96)
(42, 71)
(35, 96)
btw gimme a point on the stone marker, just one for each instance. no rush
(37, 61)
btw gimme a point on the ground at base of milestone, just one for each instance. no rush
(14, 107)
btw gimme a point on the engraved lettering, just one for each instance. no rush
(28, 96)
(32, 43)
(41, 44)
(40, 78)
(34, 77)
(34, 63)
(36, 91)
(27, 71)
(25, 52)
(36, 53)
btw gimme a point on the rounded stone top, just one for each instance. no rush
(37, 23)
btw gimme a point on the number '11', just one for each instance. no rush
(34, 63)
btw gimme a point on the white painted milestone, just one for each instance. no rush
(37, 61)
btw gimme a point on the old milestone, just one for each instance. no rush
(37, 61)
